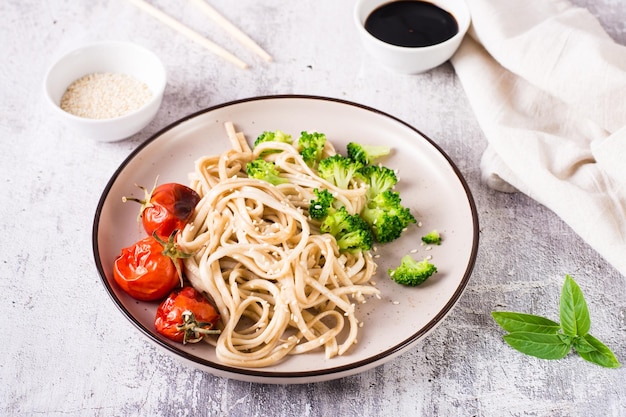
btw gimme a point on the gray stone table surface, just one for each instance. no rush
(67, 351)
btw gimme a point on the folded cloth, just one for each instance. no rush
(548, 87)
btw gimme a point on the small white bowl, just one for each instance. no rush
(107, 57)
(411, 60)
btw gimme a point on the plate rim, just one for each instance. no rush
(260, 374)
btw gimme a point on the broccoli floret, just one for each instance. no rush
(264, 170)
(350, 230)
(366, 154)
(321, 205)
(356, 241)
(386, 216)
(339, 170)
(311, 146)
(378, 179)
(385, 228)
(432, 238)
(275, 136)
(411, 272)
(340, 221)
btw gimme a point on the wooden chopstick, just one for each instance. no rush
(244, 39)
(190, 33)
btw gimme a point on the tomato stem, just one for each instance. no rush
(172, 251)
(146, 202)
(194, 331)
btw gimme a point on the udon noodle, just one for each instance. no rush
(281, 286)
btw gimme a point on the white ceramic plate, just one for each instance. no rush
(430, 184)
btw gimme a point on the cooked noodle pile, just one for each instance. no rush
(281, 287)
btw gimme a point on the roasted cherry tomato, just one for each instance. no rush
(166, 208)
(149, 269)
(186, 316)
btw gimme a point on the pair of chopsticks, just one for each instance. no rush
(195, 36)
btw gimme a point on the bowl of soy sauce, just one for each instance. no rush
(411, 36)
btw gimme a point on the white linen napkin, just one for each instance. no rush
(548, 87)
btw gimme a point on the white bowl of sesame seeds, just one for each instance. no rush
(107, 91)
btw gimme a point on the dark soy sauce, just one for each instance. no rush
(411, 23)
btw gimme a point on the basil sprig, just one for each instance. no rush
(546, 339)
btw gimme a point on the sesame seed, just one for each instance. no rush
(105, 96)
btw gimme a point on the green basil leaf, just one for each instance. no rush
(574, 313)
(602, 355)
(582, 345)
(567, 339)
(540, 345)
(520, 322)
